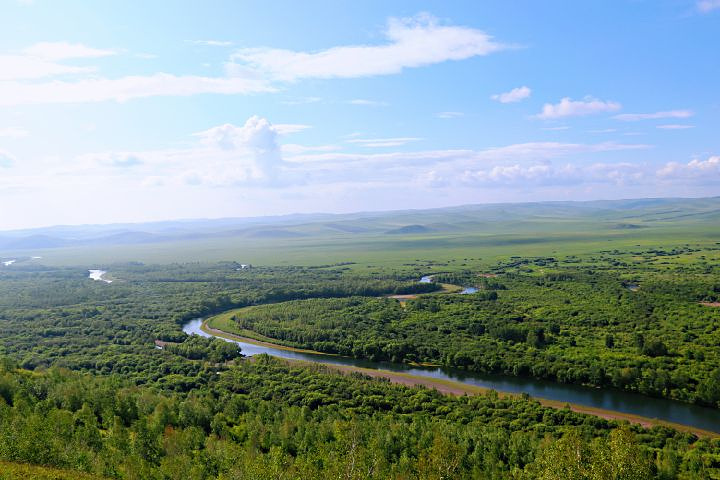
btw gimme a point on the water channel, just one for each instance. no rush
(608, 399)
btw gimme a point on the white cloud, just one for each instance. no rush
(412, 42)
(545, 174)
(256, 154)
(229, 136)
(453, 160)
(114, 160)
(6, 159)
(706, 6)
(13, 132)
(574, 108)
(514, 95)
(23, 67)
(368, 103)
(674, 127)
(224, 156)
(121, 89)
(295, 149)
(556, 129)
(633, 117)
(212, 43)
(288, 128)
(383, 142)
(55, 51)
(450, 115)
(708, 170)
(250, 158)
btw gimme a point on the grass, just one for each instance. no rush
(488, 241)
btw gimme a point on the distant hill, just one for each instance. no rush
(32, 242)
(490, 219)
(409, 229)
(627, 226)
(274, 234)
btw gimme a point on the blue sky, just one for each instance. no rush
(135, 111)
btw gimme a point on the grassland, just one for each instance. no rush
(480, 233)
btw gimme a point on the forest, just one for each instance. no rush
(265, 419)
(99, 378)
(567, 324)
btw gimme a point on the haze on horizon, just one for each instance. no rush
(130, 113)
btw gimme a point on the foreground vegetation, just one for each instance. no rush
(85, 388)
(266, 419)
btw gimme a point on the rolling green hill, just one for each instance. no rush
(473, 230)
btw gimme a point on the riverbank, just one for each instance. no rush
(256, 339)
(451, 387)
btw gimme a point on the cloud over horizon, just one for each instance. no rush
(248, 109)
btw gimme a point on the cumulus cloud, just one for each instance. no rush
(545, 173)
(633, 117)
(708, 170)
(250, 156)
(255, 154)
(706, 6)
(514, 95)
(411, 42)
(55, 51)
(574, 108)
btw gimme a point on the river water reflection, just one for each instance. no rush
(609, 399)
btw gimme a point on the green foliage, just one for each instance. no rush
(266, 419)
(626, 318)
(570, 324)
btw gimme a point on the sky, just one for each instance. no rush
(120, 111)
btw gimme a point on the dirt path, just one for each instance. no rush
(403, 297)
(710, 304)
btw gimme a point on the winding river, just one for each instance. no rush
(608, 399)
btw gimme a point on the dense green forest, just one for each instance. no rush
(264, 419)
(83, 386)
(643, 331)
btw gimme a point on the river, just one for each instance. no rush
(608, 399)
(98, 276)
